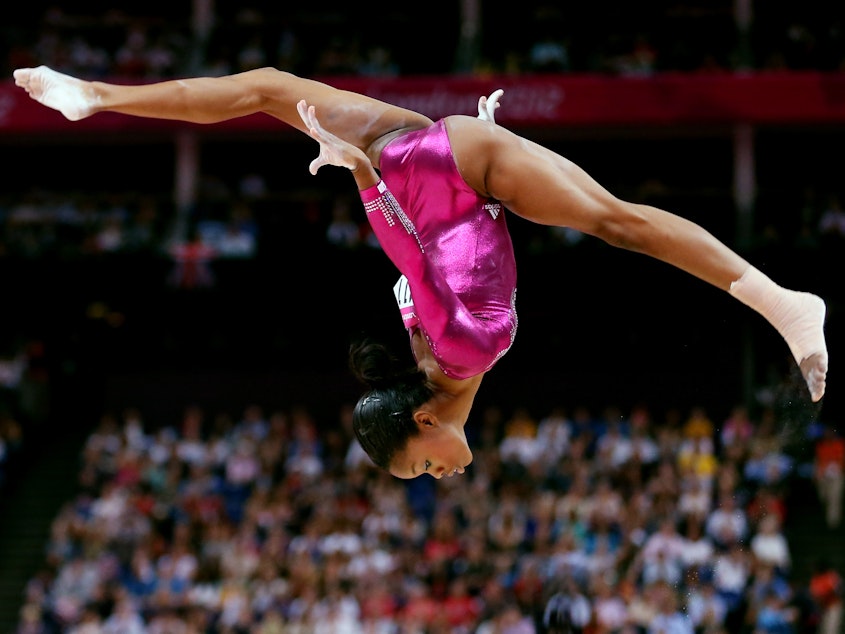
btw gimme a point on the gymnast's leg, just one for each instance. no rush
(356, 118)
(544, 187)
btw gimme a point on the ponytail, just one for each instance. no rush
(383, 418)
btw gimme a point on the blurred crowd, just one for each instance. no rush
(11, 443)
(46, 224)
(24, 398)
(274, 522)
(236, 222)
(336, 38)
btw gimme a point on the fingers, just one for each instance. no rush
(309, 118)
(493, 100)
(482, 108)
(487, 106)
(302, 109)
(333, 150)
(308, 115)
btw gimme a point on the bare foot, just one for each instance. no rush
(56, 90)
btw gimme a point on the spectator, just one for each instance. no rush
(519, 447)
(131, 60)
(767, 467)
(548, 52)
(644, 448)
(670, 618)
(338, 57)
(826, 590)
(379, 62)
(766, 580)
(727, 525)
(343, 231)
(707, 610)
(731, 574)
(666, 542)
(460, 608)
(737, 428)
(639, 60)
(236, 241)
(610, 612)
(696, 499)
(420, 610)
(379, 604)
(554, 433)
(508, 525)
(766, 502)
(832, 220)
(775, 616)
(699, 426)
(567, 610)
(548, 55)
(192, 263)
(829, 474)
(769, 545)
(507, 620)
(643, 607)
(125, 619)
(11, 442)
(697, 458)
(698, 551)
(89, 623)
(613, 448)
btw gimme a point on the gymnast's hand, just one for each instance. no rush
(487, 106)
(333, 150)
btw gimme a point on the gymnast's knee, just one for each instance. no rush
(274, 85)
(269, 74)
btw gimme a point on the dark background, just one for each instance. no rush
(597, 324)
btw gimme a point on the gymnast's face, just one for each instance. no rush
(440, 449)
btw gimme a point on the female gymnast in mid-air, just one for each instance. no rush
(435, 193)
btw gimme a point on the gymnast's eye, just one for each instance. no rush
(427, 465)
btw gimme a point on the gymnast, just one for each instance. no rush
(436, 194)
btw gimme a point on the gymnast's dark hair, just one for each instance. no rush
(383, 418)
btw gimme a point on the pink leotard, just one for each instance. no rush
(453, 247)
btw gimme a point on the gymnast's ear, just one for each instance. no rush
(425, 419)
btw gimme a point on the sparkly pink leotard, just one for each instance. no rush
(453, 249)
